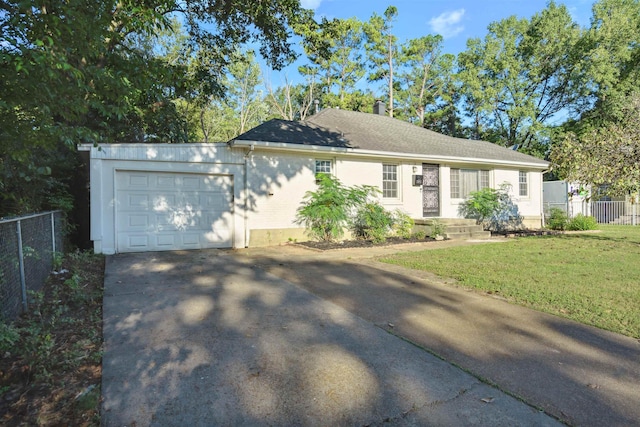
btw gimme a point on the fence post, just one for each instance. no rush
(23, 283)
(53, 236)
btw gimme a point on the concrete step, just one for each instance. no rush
(467, 236)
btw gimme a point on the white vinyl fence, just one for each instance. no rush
(27, 249)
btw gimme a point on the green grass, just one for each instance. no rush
(593, 278)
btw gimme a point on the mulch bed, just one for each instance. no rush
(361, 243)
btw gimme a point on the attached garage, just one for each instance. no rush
(158, 211)
(163, 197)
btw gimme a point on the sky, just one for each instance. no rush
(455, 20)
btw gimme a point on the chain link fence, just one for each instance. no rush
(28, 245)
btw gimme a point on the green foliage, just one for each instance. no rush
(481, 205)
(606, 157)
(9, 336)
(77, 72)
(582, 222)
(33, 337)
(558, 219)
(326, 212)
(437, 228)
(402, 224)
(372, 221)
(420, 235)
(492, 208)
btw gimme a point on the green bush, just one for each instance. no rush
(582, 222)
(326, 212)
(402, 224)
(372, 221)
(491, 208)
(558, 219)
(437, 229)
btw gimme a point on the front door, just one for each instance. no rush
(430, 190)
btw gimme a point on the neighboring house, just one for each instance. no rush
(246, 192)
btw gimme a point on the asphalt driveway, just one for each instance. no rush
(204, 338)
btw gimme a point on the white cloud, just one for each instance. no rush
(310, 4)
(448, 24)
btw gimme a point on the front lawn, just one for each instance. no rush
(593, 278)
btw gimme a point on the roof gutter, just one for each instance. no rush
(377, 154)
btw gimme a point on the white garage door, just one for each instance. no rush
(168, 211)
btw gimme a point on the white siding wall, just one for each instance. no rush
(277, 183)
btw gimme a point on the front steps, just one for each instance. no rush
(454, 228)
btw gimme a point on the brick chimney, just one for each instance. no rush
(379, 108)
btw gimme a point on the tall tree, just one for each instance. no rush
(383, 51)
(605, 157)
(423, 80)
(78, 71)
(243, 95)
(334, 48)
(522, 75)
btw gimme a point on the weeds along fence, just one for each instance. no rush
(28, 246)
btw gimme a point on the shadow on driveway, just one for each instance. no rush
(580, 374)
(206, 338)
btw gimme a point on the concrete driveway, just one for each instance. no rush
(205, 338)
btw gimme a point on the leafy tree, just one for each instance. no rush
(243, 95)
(424, 79)
(334, 48)
(607, 157)
(522, 75)
(84, 71)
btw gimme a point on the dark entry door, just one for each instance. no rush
(430, 190)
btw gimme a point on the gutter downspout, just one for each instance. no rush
(246, 195)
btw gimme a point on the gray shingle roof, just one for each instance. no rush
(363, 131)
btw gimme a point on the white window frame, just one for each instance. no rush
(390, 181)
(322, 163)
(523, 183)
(483, 180)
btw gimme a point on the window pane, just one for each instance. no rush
(523, 184)
(323, 166)
(390, 181)
(466, 181)
(455, 183)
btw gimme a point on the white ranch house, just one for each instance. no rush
(151, 197)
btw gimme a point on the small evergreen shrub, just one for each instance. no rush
(558, 219)
(582, 223)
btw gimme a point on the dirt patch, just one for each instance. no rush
(51, 374)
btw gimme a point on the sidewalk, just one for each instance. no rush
(580, 374)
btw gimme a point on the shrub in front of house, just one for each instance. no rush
(402, 224)
(372, 222)
(582, 223)
(326, 212)
(558, 219)
(492, 208)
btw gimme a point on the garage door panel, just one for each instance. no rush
(168, 211)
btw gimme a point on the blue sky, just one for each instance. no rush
(456, 20)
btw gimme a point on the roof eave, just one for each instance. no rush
(383, 154)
